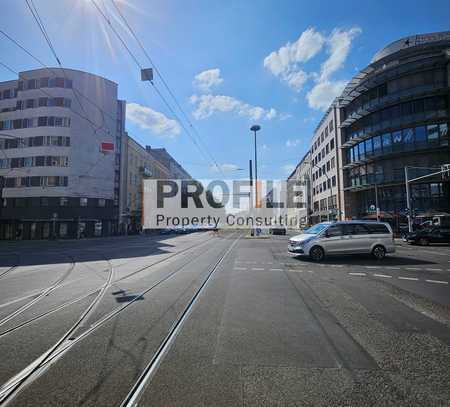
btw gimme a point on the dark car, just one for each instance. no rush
(424, 237)
(278, 231)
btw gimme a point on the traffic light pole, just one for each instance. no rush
(445, 169)
(408, 200)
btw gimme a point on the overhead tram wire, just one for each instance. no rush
(94, 126)
(108, 21)
(167, 104)
(40, 24)
(164, 82)
(74, 90)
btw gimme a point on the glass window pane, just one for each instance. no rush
(421, 134)
(408, 135)
(376, 144)
(433, 133)
(397, 137)
(443, 130)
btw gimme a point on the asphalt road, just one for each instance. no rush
(221, 320)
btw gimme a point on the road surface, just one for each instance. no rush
(221, 320)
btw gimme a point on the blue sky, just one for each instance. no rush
(230, 64)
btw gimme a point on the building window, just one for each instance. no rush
(31, 84)
(408, 136)
(63, 201)
(433, 133)
(443, 130)
(42, 121)
(333, 181)
(101, 203)
(83, 201)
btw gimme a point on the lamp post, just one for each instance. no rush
(254, 129)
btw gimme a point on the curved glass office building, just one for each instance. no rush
(395, 114)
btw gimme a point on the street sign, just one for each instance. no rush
(372, 208)
(106, 147)
(147, 74)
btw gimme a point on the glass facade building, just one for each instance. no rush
(393, 114)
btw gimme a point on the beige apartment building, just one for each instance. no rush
(325, 182)
(141, 163)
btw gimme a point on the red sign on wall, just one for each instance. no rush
(106, 147)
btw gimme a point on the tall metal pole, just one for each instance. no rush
(376, 203)
(250, 205)
(408, 200)
(256, 173)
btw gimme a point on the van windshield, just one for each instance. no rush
(316, 229)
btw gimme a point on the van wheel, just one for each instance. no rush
(316, 253)
(379, 252)
(423, 241)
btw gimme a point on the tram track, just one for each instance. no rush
(70, 338)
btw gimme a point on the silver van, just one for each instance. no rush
(346, 237)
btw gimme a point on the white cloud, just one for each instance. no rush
(207, 105)
(338, 45)
(288, 168)
(293, 143)
(285, 63)
(206, 80)
(323, 93)
(149, 119)
(224, 168)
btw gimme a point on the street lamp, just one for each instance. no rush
(254, 129)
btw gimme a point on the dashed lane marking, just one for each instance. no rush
(297, 271)
(413, 268)
(429, 269)
(309, 271)
(357, 274)
(257, 268)
(372, 267)
(240, 268)
(382, 275)
(392, 268)
(408, 278)
(437, 281)
(336, 265)
(276, 269)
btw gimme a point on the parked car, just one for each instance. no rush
(278, 231)
(424, 237)
(346, 237)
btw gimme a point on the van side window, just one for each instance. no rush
(335, 230)
(378, 229)
(358, 229)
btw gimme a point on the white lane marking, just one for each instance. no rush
(392, 268)
(269, 262)
(297, 271)
(240, 268)
(372, 267)
(428, 269)
(437, 281)
(257, 268)
(382, 275)
(413, 268)
(309, 271)
(408, 278)
(276, 269)
(357, 274)
(336, 265)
